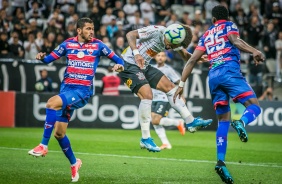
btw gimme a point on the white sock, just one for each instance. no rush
(144, 116)
(161, 133)
(169, 122)
(180, 106)
(73, 164)
(45, 146)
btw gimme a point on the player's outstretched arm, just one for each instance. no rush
(186, 56)
(187, 70)
(58, 52)
(243, 46)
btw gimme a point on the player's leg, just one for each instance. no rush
(158, 112)
(160, 130)
(221, 105)
(63, 140)
(72, 100)
(173, 122)
(252, 110)
(240, 91)
(52, 106)
(221, 143)
(144, 114)
(145, 95)
(162, 83)
(161, 108)
(134, 78)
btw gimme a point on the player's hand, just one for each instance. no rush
(258, 57)
(178, 93)
(40, 55)
(139, 60)
(118, 68)
(203, 59)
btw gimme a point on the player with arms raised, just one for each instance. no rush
(222, 43)
(140, 77)
(83, 54)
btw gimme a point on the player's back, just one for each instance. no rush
(221, 52)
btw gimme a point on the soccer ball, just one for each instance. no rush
(175, 33)
(39, 86)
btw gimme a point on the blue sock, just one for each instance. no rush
(250, 114)
(66, 147)
(221, 139)
(48, 126)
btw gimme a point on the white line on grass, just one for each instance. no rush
(155, 158)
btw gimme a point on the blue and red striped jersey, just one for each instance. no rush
(215, 42)
(82, 60)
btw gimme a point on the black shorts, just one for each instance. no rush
(161, 108)
(135, 78)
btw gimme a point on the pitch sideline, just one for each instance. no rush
(155, 158)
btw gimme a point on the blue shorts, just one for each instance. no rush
(226, 83)
(72, 99)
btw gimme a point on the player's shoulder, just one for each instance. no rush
(231, 25)
(152, 28)
(71, 39)
(168, 67)
(96, 41)
(229, 22)
(165, 67)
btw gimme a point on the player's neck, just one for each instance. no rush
(81, 40)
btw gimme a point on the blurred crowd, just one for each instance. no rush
(31, 26)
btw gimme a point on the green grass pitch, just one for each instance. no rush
(114, 156)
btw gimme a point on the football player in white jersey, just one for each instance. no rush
(161, 106)
(140, 76)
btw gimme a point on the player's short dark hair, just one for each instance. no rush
(220, 12)
(188, 38)
(80, 23)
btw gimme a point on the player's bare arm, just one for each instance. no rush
(186, 56)
(132, 36)
(242, 45)
(181, 48)
(187, 70)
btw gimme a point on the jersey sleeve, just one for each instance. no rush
(173, 76)
(106, 51)
(148, 32)
(231, 28)
(58, 52)
(201, 44)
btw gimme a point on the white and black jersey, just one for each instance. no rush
(149, 44)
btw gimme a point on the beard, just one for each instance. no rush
(85, 38)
